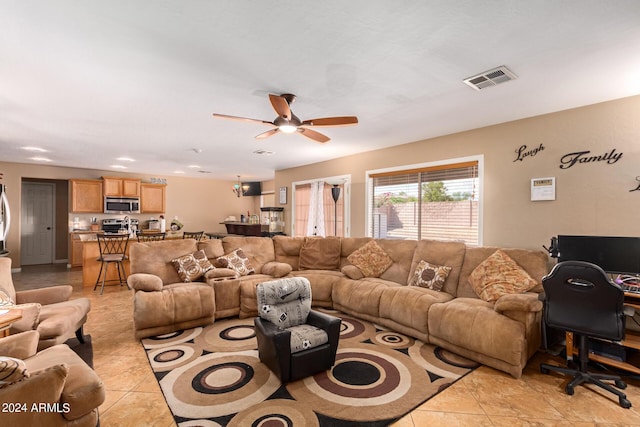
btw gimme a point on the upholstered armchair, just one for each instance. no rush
(47, 310)
(293, 340)
(52, 387)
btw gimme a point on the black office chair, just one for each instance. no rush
(580, 298)
(192, 235)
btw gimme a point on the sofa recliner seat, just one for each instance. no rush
(503, 334)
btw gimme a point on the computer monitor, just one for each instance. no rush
(613, 254)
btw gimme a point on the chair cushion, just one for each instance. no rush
(62, 318)
(284, 302)
(304, 337)
(371, 259)
(499, 275)
(191, 267)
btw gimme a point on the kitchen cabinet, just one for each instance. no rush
(152, 198)
(86, 196)
(121, 187)
(75, 259)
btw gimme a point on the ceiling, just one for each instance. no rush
(93, 81)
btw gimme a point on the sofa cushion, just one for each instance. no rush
(258, 249)
(371, 259)
(12, 370)
(320, 253)
(155, 257)
(429, 276)
(287, 249)
(499, 275)
(304, 337)
(191, 267)
(237, 261)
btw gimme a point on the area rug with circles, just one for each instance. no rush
(212, 376)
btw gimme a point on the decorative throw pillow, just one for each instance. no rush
(237, 261)
(429, 275)
(320, 253)
(191, 267)
(371, 259)
(12, 370)
(498, 275)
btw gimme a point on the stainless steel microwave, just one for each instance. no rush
(121, 205)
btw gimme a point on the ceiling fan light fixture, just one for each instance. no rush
(287, 128)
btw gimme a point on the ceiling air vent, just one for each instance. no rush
(490, 78)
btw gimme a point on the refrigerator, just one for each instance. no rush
(5, 220)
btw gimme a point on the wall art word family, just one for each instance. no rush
(570, 159)
(522, 152)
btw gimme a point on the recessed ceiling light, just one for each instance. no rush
(178, 171)
(125, 159)
(118, 167)
(193, 167)
(41, 159)
(36, 149)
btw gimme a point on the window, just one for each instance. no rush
(314, 211)
(437, 201)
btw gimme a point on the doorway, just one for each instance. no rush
(37, 223)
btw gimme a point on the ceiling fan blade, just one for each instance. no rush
(332, 121)
(281, 106)
(245, 119)
(312, 134)
(268, 133)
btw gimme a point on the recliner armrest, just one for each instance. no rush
(145, 282)
(276, 269)
(518, 302)
(20, 346)
(45, 296)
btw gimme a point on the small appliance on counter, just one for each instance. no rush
(119, 226)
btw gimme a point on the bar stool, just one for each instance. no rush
(150, 237)
(112, 250)
(192, 235)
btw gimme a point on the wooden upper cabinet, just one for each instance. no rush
(86, 196)
(152, 198)
(121, 187)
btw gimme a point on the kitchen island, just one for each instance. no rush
(91, 265)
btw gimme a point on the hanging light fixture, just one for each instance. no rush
(239, 189)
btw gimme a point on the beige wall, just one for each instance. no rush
(200, 204)
(591, 198)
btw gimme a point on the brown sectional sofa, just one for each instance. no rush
(502, 334)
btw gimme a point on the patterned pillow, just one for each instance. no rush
(371, 259)
(499, 275)
(429, 276)
(191, 267)
(238, 262)
(12, 370)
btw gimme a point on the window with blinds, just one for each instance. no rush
(439, 202)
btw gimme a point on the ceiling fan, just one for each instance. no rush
(287, 122)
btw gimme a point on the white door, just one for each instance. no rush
(37, 223)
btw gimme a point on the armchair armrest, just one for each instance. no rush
(30, 317)
(144, 282)
(518, 302)
(274, 344)
(45, 296)
(276, 269)
(20, 346)
(220, 274)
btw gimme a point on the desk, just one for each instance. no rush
(631, 340)
(6, 319)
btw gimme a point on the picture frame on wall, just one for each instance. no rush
(283, 195)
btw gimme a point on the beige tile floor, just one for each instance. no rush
(485, 397)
